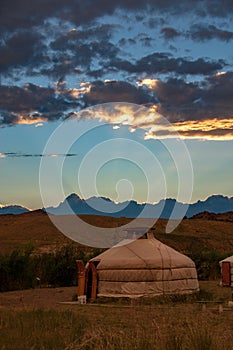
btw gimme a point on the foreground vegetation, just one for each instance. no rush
(174, 326)
(49, 257)
(171, 323)
(23, 269)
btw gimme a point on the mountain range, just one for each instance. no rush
(13, 209)
(105, 206)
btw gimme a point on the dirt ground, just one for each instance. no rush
(47, 298)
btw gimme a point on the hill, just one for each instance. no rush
(228, 216)
(36, 228)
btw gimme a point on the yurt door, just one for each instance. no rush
(91, 281)
(226, 273)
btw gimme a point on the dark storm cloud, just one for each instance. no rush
(196, 110)
(116, 91)
(177, 99)
(180, 101)
(209, 102)
(218, 8)
(89, 49)
(23, 49)
(146, 41)
(208, 32)
(169, 33)
(72, 56)
(218, 94)
(25, 13)
(154, 22)
(33, 103)
(165, 63)
(75, 37)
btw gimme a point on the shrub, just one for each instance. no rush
(207, 263)
(22, 269)
(17, 270)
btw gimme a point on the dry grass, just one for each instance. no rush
(166, 326)
(33, 319)
(37, 229)
(94, 327)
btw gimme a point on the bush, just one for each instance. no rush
(22, 269)
(17, 270)
(207, 263)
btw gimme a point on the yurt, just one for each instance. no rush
(227, 272)
(141, 267)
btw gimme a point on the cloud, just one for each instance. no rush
(116, 91)
(161, 62)
(180, 100)
(23, 49)
(208, 129)
(196, 109)
(217, 94)
(31, 155)
(31, 104)
(25, 14)
(74, 37)
(79, 56)
(204, 32)
(38, 125)
(218, 9)
(169, 33)
(45, 45)
(159, 126)
(32, 52)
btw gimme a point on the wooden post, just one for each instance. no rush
(81, 277)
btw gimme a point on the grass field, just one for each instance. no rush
(35, 319)
(160, 324)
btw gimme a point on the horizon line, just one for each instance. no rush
(103, 197)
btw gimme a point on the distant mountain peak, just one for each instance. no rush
(73, 197)
(216, 203)
(131, 208)
(216, 197)
(13, 209)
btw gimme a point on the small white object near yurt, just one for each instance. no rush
(143, 267)
(227, 272)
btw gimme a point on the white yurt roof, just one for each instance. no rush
(142, 253)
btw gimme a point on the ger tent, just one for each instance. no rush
(143, 267)
(227, 272)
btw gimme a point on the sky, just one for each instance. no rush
(162, 71)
